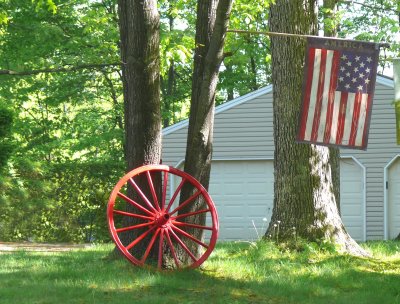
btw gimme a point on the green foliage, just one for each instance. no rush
(248, 64)
(67, 132)
(376, 21)
(6, 146)
(49, 4)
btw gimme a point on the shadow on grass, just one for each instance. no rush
(234, 274)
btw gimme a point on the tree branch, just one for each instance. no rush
(59, 70)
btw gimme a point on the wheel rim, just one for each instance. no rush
(159, 219)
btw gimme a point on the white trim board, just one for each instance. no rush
(385, 196)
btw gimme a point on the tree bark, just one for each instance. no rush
(304, 202)
(139, 31)
(211, 28)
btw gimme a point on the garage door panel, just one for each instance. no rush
(354, 221)
(351, 210)
(228, 188)
(357, 186)
(257, 212)
(228, 201)
(232, 211)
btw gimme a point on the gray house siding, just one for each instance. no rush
(244, 130)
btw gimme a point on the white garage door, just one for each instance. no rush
(352, 198)
(394, 199)
(243, 193)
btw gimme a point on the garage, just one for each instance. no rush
(243, 193)
(243, 152)
(393, 196)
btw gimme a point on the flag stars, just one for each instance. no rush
(354, 72)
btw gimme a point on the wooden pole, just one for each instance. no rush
(385, 45)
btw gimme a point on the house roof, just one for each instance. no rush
(383, 80)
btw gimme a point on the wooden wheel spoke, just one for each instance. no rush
(133, 203)
(176, 193)
(138, 190)
(190, 199)
(189, 236)
(153, 191)
(139, 238)
(134, 227)
(132, 214)
(191, 213)
(192, 225)
(183, 245)
(146, 253)
(164, 191)
(171, 246)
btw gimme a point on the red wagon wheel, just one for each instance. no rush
(157, 217)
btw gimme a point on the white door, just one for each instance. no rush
(243, 193)
(352, 198)
(394, 199)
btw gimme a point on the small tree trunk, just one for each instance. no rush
(304, 200)
(211, 27)
(253, 73)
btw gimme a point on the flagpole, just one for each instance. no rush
(384, 45)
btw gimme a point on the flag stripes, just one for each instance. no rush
(333, 115)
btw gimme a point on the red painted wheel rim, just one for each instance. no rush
(160, 218)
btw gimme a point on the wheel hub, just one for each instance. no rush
(162, 219)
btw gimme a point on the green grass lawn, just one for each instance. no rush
(234, 273)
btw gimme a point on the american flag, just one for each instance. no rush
(339, 83)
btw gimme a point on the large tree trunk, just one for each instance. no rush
(304, 202)
(211, 27)
(139, 32)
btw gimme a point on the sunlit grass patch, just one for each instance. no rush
(241, 272)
